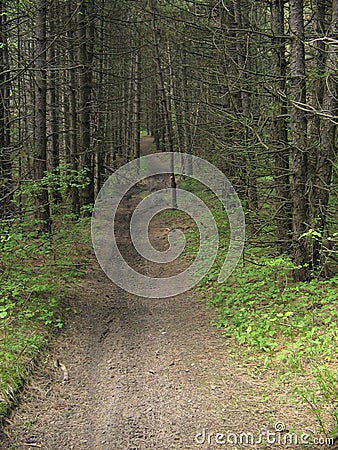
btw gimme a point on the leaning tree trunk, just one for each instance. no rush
(40, 151)
(298, 125)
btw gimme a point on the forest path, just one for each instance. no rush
(143, 373)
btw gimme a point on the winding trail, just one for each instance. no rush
(143, 373)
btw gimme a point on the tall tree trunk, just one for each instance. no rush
(130, 110)
(137, 103)
(279, 129)
(244, 63)
(86, 36)
(318, 69)
(102, 113)
(155, 121)
(54, 156)
(162, 88)
(298, 124)
(73, 136)
(40, 151)
(328, 139)
(5, 154)
(165, 103)
(317, 97)
(186, 113)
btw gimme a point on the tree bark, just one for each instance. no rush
(165, 103)
(53, 104)
(5, 151)
(185, 113)
(244, 56)
(40, 151)
(279, 130)
(328, 144)
(73, 119)
(137, 103)
(86, 36)
(298, 125)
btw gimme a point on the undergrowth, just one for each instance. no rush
(35, 273)
(276, 324)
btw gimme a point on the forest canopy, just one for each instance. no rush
(249, 85)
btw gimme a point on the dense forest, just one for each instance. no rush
(250, 86)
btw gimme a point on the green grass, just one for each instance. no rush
(273, 323)
(34, 276)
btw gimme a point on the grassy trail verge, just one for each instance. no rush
(35, 276)
(284, 332)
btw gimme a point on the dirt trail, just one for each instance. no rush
(144, 374)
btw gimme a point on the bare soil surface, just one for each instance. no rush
(143, 374)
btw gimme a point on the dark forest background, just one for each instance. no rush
(249, 85)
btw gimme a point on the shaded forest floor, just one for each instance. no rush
(143, 373)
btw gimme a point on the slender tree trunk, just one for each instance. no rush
(318, 83)
(318, 68)
(163, 92)
(100, 127)
(165, 103)
(85, 36)
(179, 95)
(328, 136)
(279, 130)
(137, 104)
(5, 153)
(125, 110)
(73, 136)
(40, 151)
(244, 63)
(130, 111)
(186, 113)
(54, 157)
(21, 123)
(298, 125)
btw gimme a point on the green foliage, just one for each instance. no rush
(266, 312)
(62, 180)
(35, 273)
(321, 395)
(289, 327)
(273, 322)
